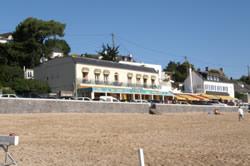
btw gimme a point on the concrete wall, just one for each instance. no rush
(53, 105)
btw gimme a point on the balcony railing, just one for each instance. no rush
(98, 82)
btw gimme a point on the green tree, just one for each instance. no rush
(29, 41)
(39, 30)
(245, 79)
(171, 66)
(109, 53)
(8, 74)
(11, 78)
(22, 86)
(179, 70)
(57, 43)
(3, 54)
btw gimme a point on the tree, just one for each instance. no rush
(29, 42)
(22, 86)
(3, 54)
(245, 79)
(179, 71)
(11, 78)
(57, 43)
(171, 66)
(8, 74)
(109, 53)
(39, 30)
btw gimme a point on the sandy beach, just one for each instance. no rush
(72, 139)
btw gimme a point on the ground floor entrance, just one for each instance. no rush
(126, 94)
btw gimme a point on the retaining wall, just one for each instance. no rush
(20, 105)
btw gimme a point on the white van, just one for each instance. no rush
(9, 95)
(108, 99)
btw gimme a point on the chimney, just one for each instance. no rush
(206, 69)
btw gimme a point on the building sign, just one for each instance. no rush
(125, 91)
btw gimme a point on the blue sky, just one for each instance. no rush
(213, 33)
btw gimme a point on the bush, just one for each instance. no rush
(8, 90)
(22, 86)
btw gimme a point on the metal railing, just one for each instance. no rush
(99, 82)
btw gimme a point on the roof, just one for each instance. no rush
(6, 35)
(97, 62)
(220, 75)
(56, 49)
(241, 87)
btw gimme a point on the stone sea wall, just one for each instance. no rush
(20, 105)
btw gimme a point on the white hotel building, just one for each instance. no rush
(94, 78)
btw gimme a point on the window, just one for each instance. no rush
(85, 76)
(97, 77)
(138, 81)
(116, 77)
(219, 88)
(129, 80)
(225, 89)
(106, 78)
(145, 82)
(152, 82)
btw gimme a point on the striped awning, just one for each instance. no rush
(228, 98)
(97, 71)
(106, 72)
(153, 77)
(211, 97)
(177, 97)
(200, 97)
(130, 75)
(189, 97)
(85, 70)
(145, 76)
(138, 76)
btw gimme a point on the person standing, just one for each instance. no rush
(241, 113)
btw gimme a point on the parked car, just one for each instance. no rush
(231, 103)
(83, 98)
(108, 99)
(140, 101)
(9, 95)
(66, 98)
(201, 103)
(245, 106)
(154, 101)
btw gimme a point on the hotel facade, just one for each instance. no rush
(94, 78)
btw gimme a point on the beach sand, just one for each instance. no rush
(74, 139)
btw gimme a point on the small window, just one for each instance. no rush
(138, 80)
(129, 80)
(116, 77)
(97, 77)
(85, 76)
(106, 78)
